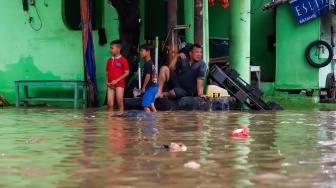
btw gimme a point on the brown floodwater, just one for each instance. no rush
(56, 147)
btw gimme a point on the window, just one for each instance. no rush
(72, 15)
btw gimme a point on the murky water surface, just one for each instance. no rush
(43, 147)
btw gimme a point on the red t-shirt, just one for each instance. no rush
(116, 67)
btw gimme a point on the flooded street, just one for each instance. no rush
(56, 147)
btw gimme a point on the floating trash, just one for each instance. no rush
(192, 165)
(173, 147)
(240, 132)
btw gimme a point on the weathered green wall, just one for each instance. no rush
(262, 25)
(55, 52)
(52, 53)
(292, 68)
(218, 21)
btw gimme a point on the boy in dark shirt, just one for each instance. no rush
(149, 87)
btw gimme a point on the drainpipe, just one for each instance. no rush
(189, 19)
(171, 23)
(239, 32)
(198, 28)
(206, 33)
(142, 29)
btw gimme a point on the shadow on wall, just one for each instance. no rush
(24, 70)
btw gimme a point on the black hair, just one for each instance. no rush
(118, 43)
(195, 46)
(147, 47)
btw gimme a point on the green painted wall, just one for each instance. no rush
(262, 26)
(292, 68)
(218, 21)
(55, 51)
(52, 53)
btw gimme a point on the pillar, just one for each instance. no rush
(189, 19)
(239, 33)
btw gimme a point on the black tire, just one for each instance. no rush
(330, 85)
(317, 43)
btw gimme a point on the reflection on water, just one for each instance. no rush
(89, 148)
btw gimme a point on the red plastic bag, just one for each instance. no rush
(211, 3)
(224, 3)
(240, 132)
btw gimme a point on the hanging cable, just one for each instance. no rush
(31, 19)
(254, 9)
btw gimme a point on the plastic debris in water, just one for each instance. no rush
(177, 147)
(239, 132)
(192, 165)
(173, 147)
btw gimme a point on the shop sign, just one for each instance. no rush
(306, 10)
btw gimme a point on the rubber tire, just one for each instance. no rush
(330, 85)
(319, 42)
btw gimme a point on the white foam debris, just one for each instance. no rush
(192, 165)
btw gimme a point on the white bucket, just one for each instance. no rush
(136, 92)
(216, 91)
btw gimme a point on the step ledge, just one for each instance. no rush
(185, 103)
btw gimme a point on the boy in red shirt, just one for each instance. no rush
(116, 72)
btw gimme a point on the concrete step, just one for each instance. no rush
(185, 103)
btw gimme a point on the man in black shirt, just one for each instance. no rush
(190, 72)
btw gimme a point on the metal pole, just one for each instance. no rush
(206, 33)
(157, 55)
(139, 74)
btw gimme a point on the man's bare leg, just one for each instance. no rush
(170, 94)
(163, 77)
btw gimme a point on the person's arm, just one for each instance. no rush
(114, 82)
(172, 64)
(147, 77)
(200, 88)
(200, 80)
(107, 74)
(107, 83)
